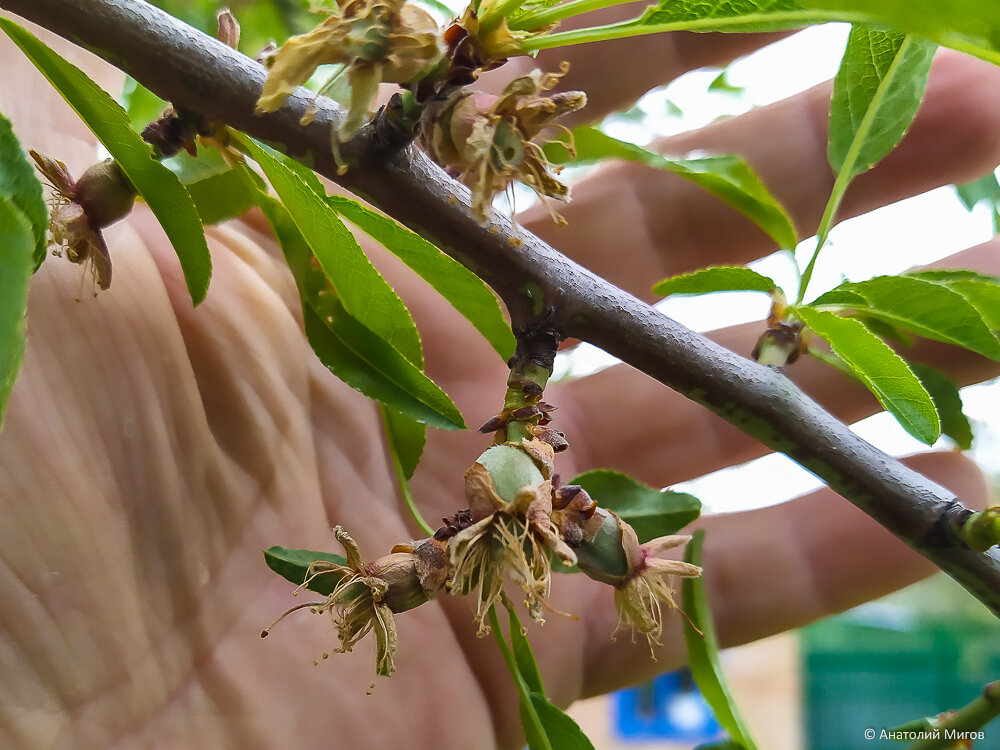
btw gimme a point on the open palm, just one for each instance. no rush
(151, 450)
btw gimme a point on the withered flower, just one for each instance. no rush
(609, 551)
(510, 501)
(82, 208)
(375, 40)
(368, 595)
(491, 141)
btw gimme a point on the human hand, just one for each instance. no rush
(151, 450)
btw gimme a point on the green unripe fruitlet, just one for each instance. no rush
(511, 469)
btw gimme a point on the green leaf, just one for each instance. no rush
(292, 565)
(17, 245)
(930, 309)
(721, 84)
(362, 291)
(562, 732)
(346, 347)
(523, 656)
(371, 365)
(984, 296)
(984, 190)
(726, 177)
(971, 26)
(982, 292)
(876, 95)
(407, 438)
(882, 371)
(703, 650)
(141, 104)
(948, 402)
(947, 275)
(222, 196)
(453, 281)
(716, 279)
(721, 745)
(19, 184)
(651, 512)
(839, 298)
(685, 15)
(158, 186)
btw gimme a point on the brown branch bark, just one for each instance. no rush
(540, 286)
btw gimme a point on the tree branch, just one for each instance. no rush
(539, 285)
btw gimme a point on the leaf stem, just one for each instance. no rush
(495, 15)
(634, 27)
(970, 718)
(825, 225)
(849, 169)
(537, 19)
(404, 484)
(519, 683)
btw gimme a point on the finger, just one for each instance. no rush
(779, 568)
(669, 226)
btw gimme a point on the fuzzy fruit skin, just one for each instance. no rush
(603, 557)
(105, 194)
(511, 469)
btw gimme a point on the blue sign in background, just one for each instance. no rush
(667, 708)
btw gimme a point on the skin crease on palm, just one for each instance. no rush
(152, 449)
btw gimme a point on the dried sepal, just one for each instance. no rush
(377, 41)
(368, 595)
(511, 536)
(650, 584)
(491, 141)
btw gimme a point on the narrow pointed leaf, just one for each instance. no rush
(984, 190)
(362, 290)
(463, 289)
(354, 353)
(407, 438)
(716, 279)
(982, 291)
(158, 186)
(371, 365)
(292, 564)
(523, 656)
(948, 402)
(19, 184)
(651, 512)
(221, 196)
(882, 371)
(930, 309)
(984, 296)
(694, 15)
(876, 95)
(727, 177)
(972, 26)
(141, 104)
(562, 731)
(17, 245)
(703, 650)
(840, 298)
